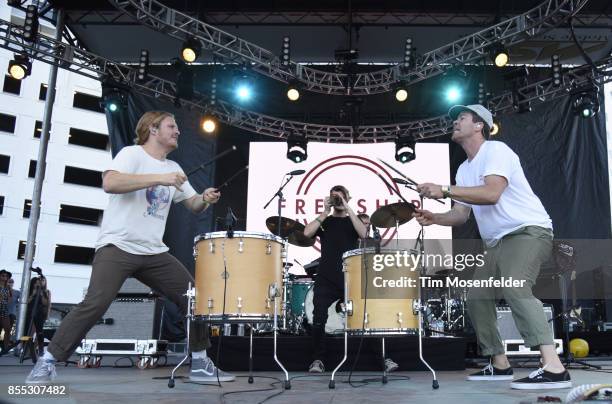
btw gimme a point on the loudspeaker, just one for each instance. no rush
(511, 337)
(127, 317)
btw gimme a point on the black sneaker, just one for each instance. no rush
(490, 372)
(541, 379)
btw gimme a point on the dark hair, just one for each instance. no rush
(486, 131)
(341, 189)
(33, 281)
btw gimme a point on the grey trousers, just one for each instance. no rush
(517, 255)
(111, 267)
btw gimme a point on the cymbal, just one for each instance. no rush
(386, 216)
(292, 230)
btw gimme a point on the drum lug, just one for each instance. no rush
(268, 249)
(400, 319)
(367, 318)
(241, 246)
(195, 251)
(210, 303)
(416, 306)
(211, 247)
(268, 301)
(239, 305)
(272, 291)
(349, 308)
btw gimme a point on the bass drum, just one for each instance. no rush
(335, 320)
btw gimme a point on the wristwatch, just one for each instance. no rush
(446, 191)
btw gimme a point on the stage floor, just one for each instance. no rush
(110, 384)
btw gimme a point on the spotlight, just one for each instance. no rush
(453, 85)
(30, 23)
(297, 148)
(405, 149)
(293, 91)
(401, 92)
(585, 101)
(499, 54)
(213, 91)
(20, 67)
(481, 94)
(209, 124)
(143, 65)
(191, 50)
(495, 129)
(555, 66)
(286, 51)
(243, 88)
(113, 98)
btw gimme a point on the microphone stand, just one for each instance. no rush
(279, 194)
(212, 160)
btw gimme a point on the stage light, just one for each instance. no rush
(143, 65)
(297, 148)
(499, 55)
(286, 51)
(481, 94)
(401, 92)
(191, 50)
(585, 101)
(495, 129)
(213, 91)
(113, 98)
(407, 55)
(30, 23)
(209, 124)
(293, 94)
(405, 149)
(243, 88)
(20, 67)
(453, 94)
(555, 66)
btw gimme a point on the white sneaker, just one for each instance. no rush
(43, 372)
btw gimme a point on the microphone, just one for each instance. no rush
(400, 181)
(296, 172)
(230, 220)
(376, 238)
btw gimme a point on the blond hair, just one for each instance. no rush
(147, 120)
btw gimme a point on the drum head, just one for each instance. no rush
(238, 234)
(335, 320)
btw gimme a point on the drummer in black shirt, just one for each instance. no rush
(338, 233)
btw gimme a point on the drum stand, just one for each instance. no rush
(273, 296)
(190, 302)
(420, 307)
(345, 309)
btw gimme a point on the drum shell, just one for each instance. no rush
(253, 263)
(384, 315)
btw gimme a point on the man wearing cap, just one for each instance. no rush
(518, 235)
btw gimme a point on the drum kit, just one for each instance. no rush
(242, 278)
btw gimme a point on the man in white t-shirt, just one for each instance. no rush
(517, 233)
(142, 183)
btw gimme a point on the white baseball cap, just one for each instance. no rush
(478, 109)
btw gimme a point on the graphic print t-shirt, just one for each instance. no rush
(135, 221)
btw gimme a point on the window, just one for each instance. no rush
(86, 101)
(42, 93)
(80, 215)
(74, 255)
(7, 123)
(27, 207)
(11, 85)
(38, 129)
(86, 138)
(22, 248)
(82, 176)
(1, 205)
(32, 169)
(5, 162)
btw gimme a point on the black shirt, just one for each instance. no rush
(337, 236)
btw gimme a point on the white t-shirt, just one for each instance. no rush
(135, 221)
(517, 206)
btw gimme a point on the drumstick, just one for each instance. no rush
(407, 178)
(227, 182)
